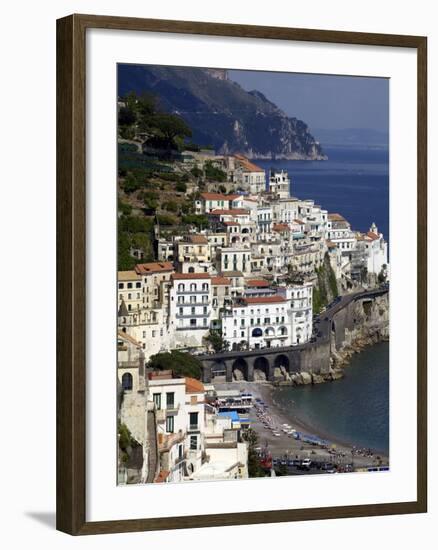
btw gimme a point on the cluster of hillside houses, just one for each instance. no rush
(248, 274)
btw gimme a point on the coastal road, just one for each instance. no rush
(324, 319)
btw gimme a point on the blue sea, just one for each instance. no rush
(353, 410)
(353, 182)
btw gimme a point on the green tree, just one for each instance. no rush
(197, 220)
(181, 187)
(180, 363)
(213, 173)
(254, 467)
(216, 341)
(166, 128)
(196, 172)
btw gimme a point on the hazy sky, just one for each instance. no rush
(324, 101)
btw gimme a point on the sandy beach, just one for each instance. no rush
(285, 446)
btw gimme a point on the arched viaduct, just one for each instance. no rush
(312, 357)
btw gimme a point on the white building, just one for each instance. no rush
(376, 250)
(283, 319)
(248, 176)
(214, 201)
(234, 258)
(190, 309)
(279, 184)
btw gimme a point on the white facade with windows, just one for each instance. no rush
(190, 308)
(284, 319)
(279, 184)
(236, 258)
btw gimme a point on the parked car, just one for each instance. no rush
(305, 464)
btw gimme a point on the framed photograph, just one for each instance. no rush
(241, 274)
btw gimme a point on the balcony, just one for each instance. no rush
(172, 408)
(193, 428)
(181, 292)
(194, 304)
(192, 315)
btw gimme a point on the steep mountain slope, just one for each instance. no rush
(221, 113)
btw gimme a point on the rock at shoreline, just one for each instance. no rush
(259, 376)
(317, 379)
(306, 378)
(238, 375)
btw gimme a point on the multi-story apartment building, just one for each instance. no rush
(264, 221)
(190, 308)
(247, 176)
(282, 319)
(279, 184)
(130, 290)
(234, 258)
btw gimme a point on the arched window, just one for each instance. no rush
(127, 381)
(257, 332)
(191, 269)
(205, 286)
(181, 287)
(193, 287)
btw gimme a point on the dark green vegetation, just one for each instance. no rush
(153, 181)
(254, 467)
(219, 112)
(126, 442)
(216, 341)
(180, 363)
(161, 130)
(382, 276)
(326, 288)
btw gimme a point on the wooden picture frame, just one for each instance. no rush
(71, 272)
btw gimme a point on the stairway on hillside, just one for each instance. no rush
(153, 447)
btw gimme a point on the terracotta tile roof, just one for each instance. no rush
(257, 283)
(128, 276)
(154, 267)
(218, 197)
(264, 300)
(335, 217)
(230, 212)
(160, 375)
(247, 165)
(300, 222)
(178, 276)
(216, 281)
(281, 227)
(372, 236)
(194, 386)
(197, 239)
(162, 476)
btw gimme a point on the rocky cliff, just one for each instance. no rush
(370, 325)
(221, 113)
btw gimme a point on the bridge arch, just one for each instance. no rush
(262, 364)
(242, 365)
(218, 369)
(282, 361)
